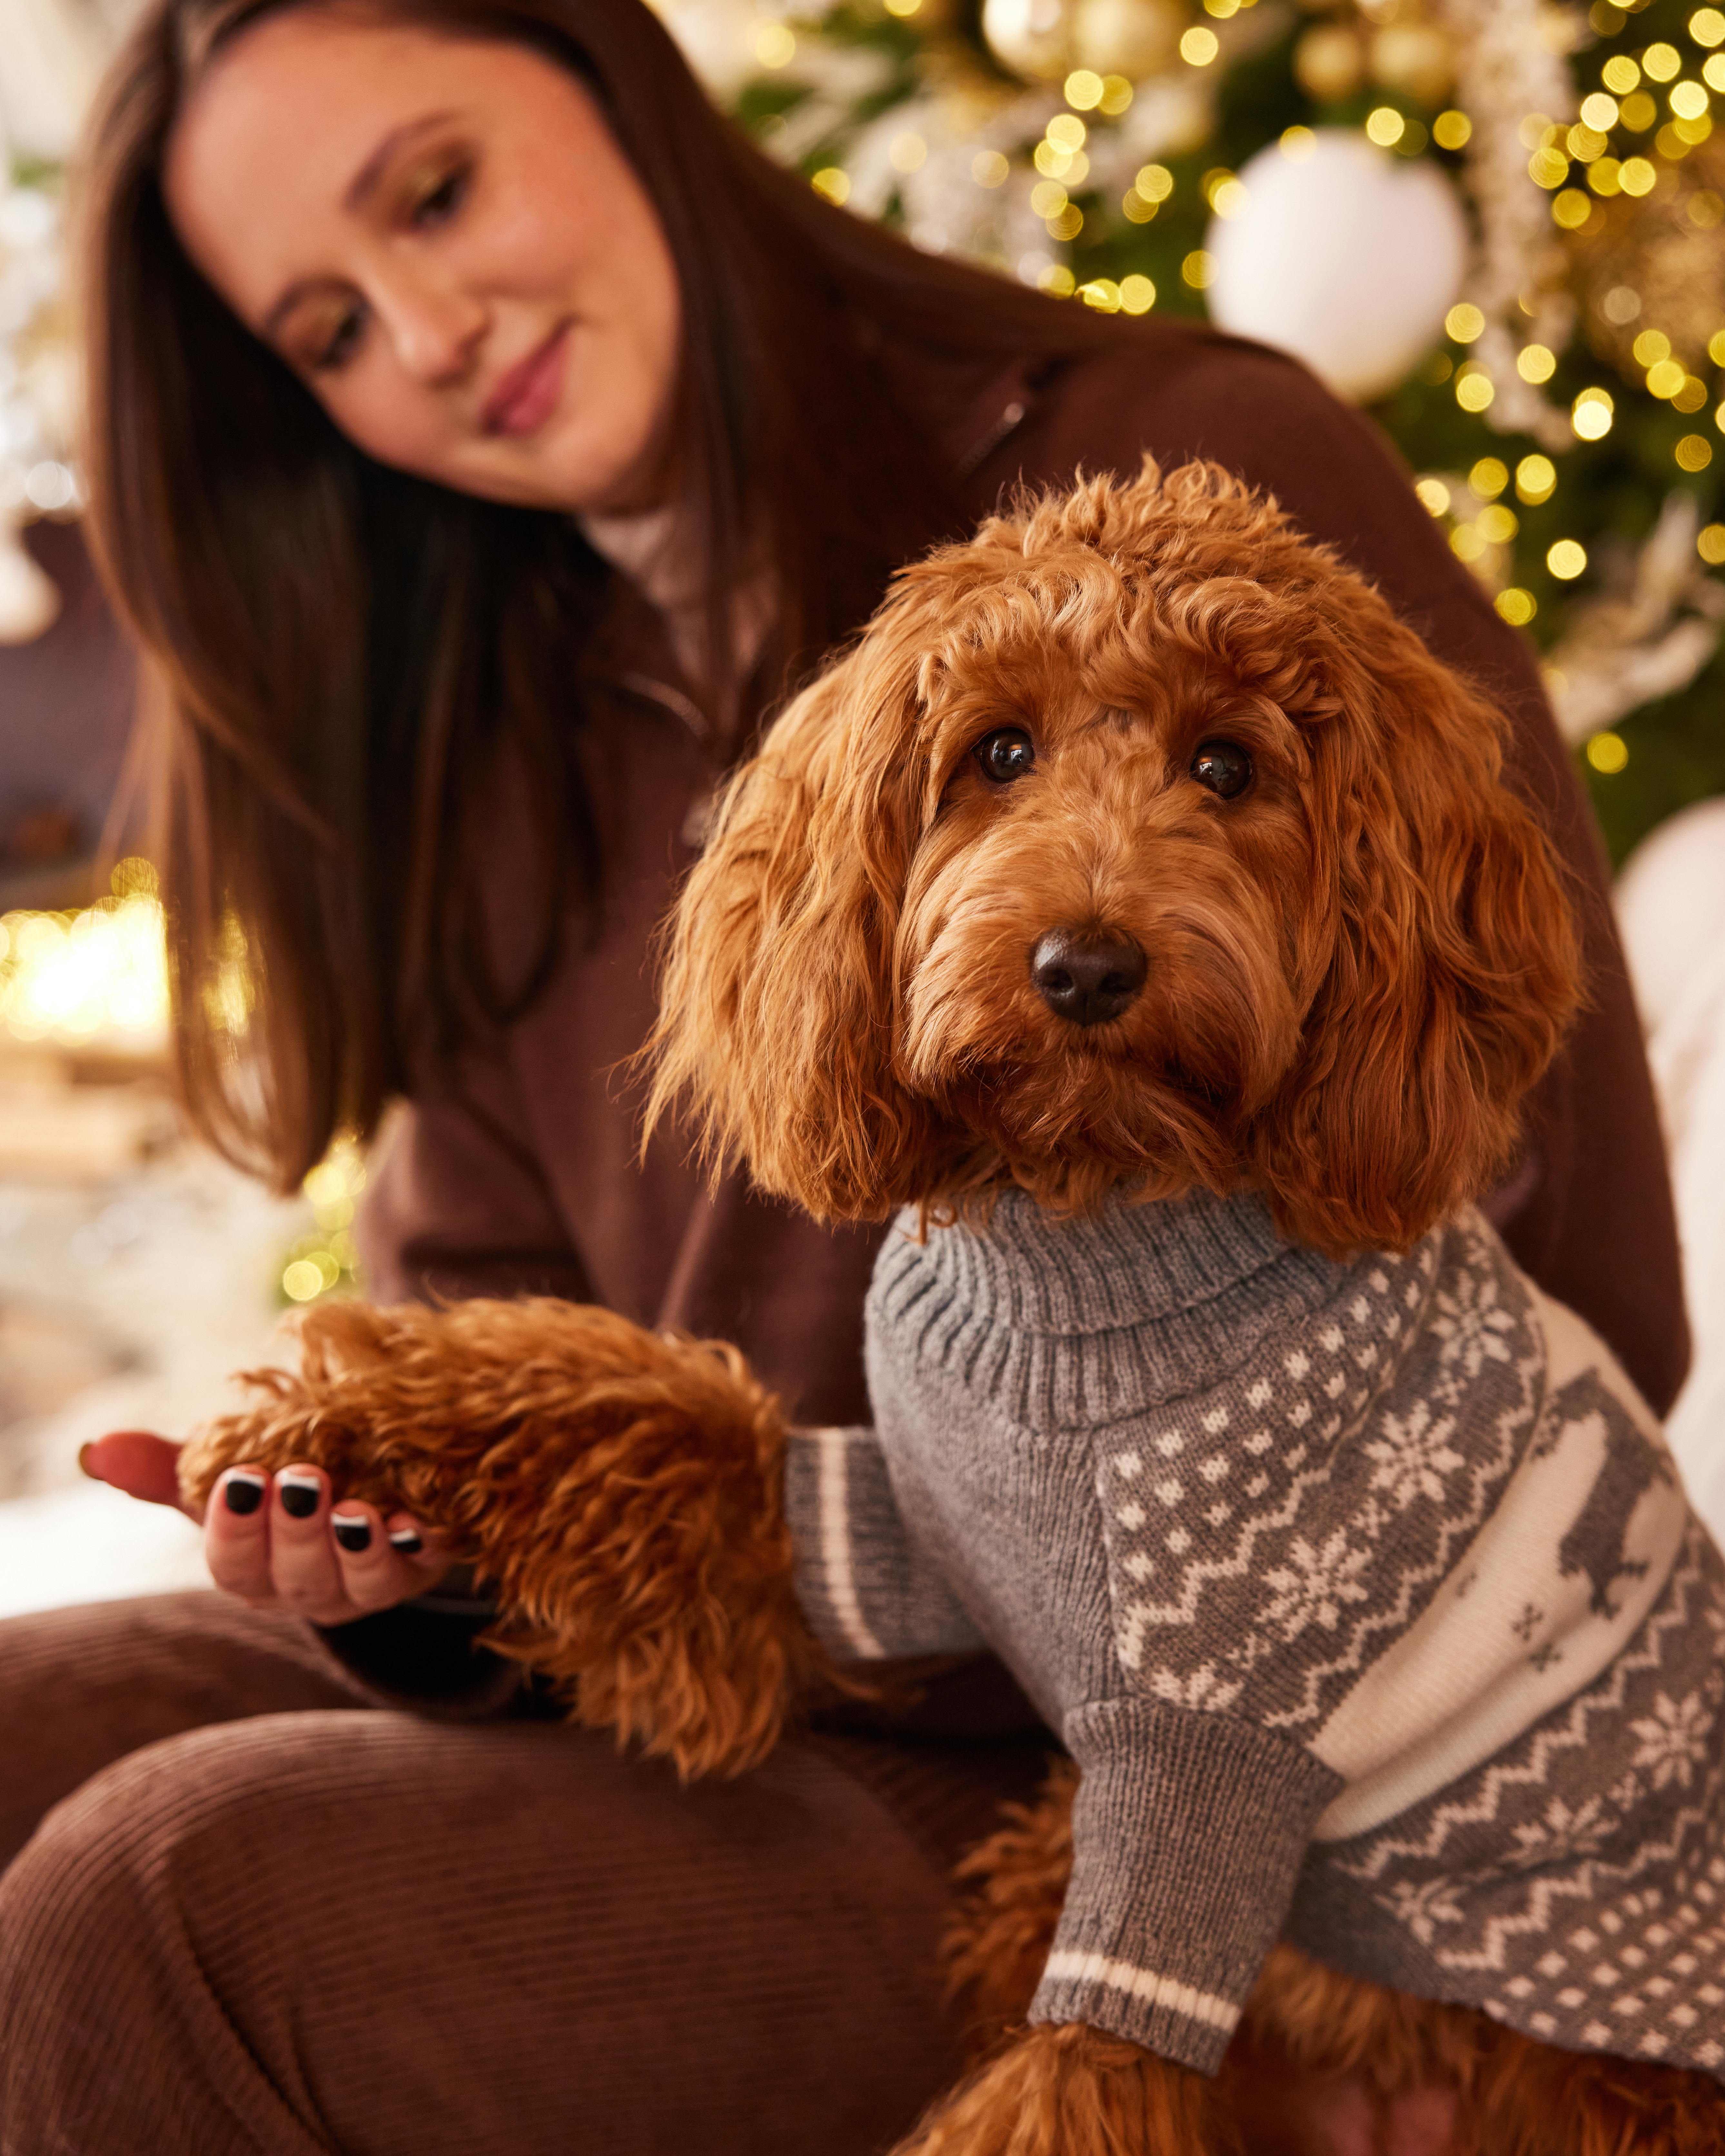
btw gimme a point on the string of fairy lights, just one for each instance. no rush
(1562, 406)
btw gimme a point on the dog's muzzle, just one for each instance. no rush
(1087, 977)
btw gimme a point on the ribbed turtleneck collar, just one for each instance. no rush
(1064, 1320)
(1040, 1272)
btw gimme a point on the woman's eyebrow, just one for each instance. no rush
(355, 196)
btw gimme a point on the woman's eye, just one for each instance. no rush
(1223, 766)
(343, 341)
(1006, 754)
(441, 199)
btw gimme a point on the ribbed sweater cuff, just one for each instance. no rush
(1189, 1834)
(866, 1588)
(426, 1659)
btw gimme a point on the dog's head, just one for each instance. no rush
(1137, 845)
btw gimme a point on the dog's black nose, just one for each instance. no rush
(1087, 976)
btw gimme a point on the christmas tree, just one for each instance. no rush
(1495, 224)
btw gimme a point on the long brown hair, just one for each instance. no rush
(335, 649)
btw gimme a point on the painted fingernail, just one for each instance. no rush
(353, 1533)
(299, 1493)
(241, 1491)
(406, 1540)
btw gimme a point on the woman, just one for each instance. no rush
(483, 438)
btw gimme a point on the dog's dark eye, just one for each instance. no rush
(1006, 754)
(1223, 766)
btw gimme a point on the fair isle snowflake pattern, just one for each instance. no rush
(1424, 1907)
(1595, 1920)
(1413, 1455)
(1400, 1636)
(1297, 1509)
(1313, 1586)
(1563, 1833)
(1674, 1738)
(1474, 1325)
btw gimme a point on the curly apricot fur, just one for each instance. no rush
(1011, 1888)
(1355, 974)
(619, 1487)
(1073, 2090)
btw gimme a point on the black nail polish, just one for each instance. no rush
(299, 1495)
(354, 1535)
(407, 1542)
(243, 1493)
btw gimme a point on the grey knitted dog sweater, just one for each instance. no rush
(1365, 1596)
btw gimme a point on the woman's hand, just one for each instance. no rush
(276, 1541)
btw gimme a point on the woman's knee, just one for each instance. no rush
(124, 1923)
(369, 1933)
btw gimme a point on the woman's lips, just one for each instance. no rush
(527, 395)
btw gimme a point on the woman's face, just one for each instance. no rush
(442, 239)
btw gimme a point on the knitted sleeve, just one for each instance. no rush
(866, 1585)
(1189, 1832)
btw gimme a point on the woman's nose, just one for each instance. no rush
(435, 328)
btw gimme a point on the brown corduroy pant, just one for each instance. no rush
(243, 1911)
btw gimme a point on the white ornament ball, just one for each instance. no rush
(1348, 257)
(29, 602)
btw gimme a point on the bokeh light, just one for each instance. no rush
(101, 971)
(1591, 414)
(326, 1261)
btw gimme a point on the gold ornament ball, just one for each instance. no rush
(1031, 39)
(1329, 63)
(1130, 37)
(1414, 58)
(1653, 264)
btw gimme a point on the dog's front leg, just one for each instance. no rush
(1068, 2089)
(619, 1492)
(643, 1562)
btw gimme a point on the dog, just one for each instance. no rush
(1140, 907)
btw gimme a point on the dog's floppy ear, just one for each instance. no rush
(1453, 963)
(777, 1009)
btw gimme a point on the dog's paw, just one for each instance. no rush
(618, 1490)
(279, 1431)
(339, 1411)
(650, 1577)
